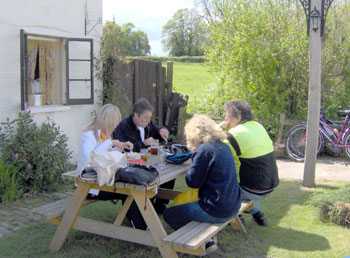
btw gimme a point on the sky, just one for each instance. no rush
(147, 15)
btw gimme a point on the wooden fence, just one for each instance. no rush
(150, 80)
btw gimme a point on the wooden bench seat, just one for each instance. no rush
(52, 212)
(192, 237)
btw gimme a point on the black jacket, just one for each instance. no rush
(128, 131)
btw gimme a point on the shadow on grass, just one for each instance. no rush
(285, 230)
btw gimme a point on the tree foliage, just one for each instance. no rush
(111, 68)
(127, 40)
(260, 53)
(184, 34)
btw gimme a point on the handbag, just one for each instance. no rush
(105, 164)
(136, 174)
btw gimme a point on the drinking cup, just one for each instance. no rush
(154, 148)
(144, 154)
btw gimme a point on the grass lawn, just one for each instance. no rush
(192, 79)
(294, 231)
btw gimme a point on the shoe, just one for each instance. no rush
(260, 218)
(241, 218)
(210, 246)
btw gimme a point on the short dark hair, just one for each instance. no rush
(239, 107)
(141, 105)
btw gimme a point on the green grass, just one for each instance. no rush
(193, 80)
(294, 231)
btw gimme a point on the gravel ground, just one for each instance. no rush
(327, 168)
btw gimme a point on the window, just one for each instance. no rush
(56, 71)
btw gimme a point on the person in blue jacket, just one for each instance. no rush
(213, 172)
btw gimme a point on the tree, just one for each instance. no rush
(128, 41)
(184, 34)
(259, 50)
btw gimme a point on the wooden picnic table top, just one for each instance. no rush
(169, 172)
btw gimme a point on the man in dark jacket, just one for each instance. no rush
(138, 127)
(141, 131)
(254, 155)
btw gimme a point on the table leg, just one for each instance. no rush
(122, 213)
(69, 217)
(154, 224)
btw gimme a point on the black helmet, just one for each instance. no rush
(177, 154)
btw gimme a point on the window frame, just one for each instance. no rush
(24, 70)
(71, 101)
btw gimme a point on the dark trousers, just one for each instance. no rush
(133, 214)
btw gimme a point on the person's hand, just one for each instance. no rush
(148, 141)
(164, 133)
(122, 145)
(127, 145)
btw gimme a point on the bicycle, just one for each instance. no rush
(296, 136)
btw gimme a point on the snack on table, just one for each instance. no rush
(133, 155)
(136, 162)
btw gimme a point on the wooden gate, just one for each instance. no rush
(148, 79)
(149, 83)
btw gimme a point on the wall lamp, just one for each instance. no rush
(318, 19)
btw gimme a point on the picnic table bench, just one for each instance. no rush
(189, 239)
(192, 237)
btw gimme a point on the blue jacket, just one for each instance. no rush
(213, 171)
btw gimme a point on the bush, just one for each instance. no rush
(40, 154)
(10, 189)
(334, 205)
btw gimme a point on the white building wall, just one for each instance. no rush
(63, 18)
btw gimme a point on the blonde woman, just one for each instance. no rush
(97, 136)
(213, 171)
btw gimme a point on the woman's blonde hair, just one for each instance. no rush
(201, 129)
(106, 120)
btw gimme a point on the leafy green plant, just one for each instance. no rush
(40, 154)
(113, 70)
(334, 205)
(10, 189)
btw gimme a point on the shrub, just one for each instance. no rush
(40, 154)
(10, 189)
(334, 205)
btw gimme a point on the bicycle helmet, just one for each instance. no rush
(177, 154)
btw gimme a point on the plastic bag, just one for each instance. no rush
(186, 197)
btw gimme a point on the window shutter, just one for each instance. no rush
(23, 62)
(80, 79)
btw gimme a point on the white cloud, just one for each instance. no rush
(149, 16)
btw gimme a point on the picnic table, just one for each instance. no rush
(188, 239)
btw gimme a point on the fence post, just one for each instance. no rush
(280, 131)
(181, 123)
(169, 82)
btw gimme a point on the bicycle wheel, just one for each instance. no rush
(296, 143)
(347, 142)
